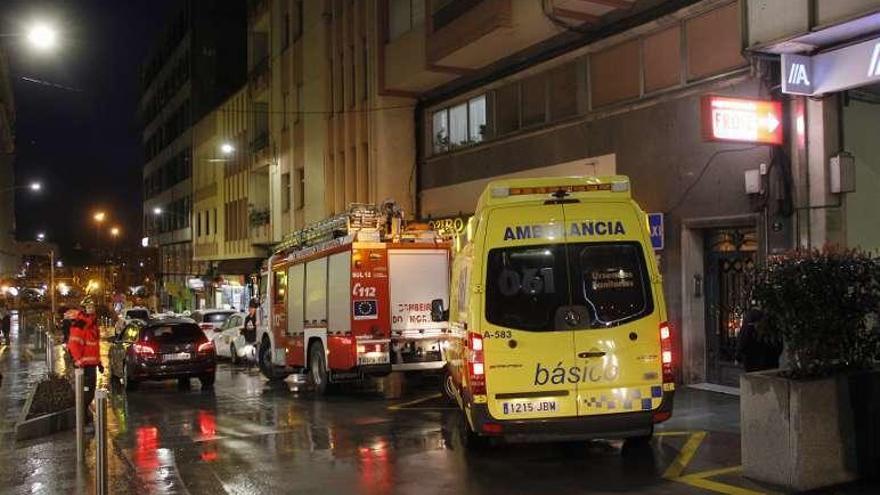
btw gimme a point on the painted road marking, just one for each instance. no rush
(685, 455)
(701, 479)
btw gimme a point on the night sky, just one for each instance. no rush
(78, 131)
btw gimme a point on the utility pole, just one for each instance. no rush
(52, 289)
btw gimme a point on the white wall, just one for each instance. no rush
(861, 123)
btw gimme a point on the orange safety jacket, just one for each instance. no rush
(84, 341)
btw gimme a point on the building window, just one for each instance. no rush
(403, 16)
(199, 224)
(441, 131)
(285, 110)
(365, 66)
(285, 192)
(460, 125)
(286, 41)
(215, 221)
(507, 107)
(477, 119)
(534, 100)
(207, 222)
(563, 91)
(299, 197)
(299, 102)
(299, 20)
(260, 139)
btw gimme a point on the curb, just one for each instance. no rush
(46, 424)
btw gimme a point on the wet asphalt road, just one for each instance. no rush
(247, 436)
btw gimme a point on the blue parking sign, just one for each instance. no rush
(655, 223)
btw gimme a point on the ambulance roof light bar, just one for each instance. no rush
(619, 184)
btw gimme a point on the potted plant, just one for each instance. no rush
(815, 423)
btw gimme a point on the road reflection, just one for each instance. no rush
(251, 437)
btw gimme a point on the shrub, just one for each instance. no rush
(823, 304)
(53, 394)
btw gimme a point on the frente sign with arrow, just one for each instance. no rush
(742, 120)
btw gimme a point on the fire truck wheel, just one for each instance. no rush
(264, 359)
(318, 368)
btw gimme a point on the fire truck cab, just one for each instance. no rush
(350, 297)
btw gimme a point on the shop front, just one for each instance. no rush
(830, 70)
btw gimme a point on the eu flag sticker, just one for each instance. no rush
(367, 309)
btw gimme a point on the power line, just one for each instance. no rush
(705, 168)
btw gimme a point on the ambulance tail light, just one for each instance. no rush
(666, 352)
(476, 364)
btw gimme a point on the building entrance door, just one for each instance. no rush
(730, 264)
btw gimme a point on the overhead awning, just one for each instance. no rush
(835, 58)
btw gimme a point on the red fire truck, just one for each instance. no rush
(350, 297)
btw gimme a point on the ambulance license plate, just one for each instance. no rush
(175, 356)
(524, 406)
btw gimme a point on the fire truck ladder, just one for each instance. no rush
(359, 218)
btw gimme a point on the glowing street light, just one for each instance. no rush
(114, 231)
(42, 36)
(99, 216)
(227, 148)
(157, 211)
(34, 186)
(41, 236)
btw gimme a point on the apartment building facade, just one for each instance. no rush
(231, 228)
(8, 253)
(526, 89)
(323, 130)
(195, 64)
(426, 101)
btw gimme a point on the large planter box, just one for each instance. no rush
(809, 434)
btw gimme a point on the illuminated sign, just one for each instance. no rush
(835, 70)
(449, 227)
(742, 120)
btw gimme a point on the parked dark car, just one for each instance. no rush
(162, 350)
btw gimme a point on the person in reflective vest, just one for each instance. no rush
(84, 345)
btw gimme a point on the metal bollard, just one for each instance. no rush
(101, 437)
(50, 351)
(80, 416)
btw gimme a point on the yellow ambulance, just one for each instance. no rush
(557, 310)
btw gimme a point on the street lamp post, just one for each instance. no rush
(42, 237)
(99, 218)
(33, 186)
